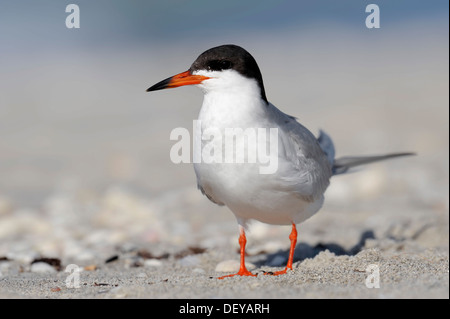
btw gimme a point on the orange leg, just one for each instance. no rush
(242, 270)
(293, 238)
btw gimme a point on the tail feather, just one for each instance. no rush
(343, 164)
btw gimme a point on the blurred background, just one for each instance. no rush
(84, 150)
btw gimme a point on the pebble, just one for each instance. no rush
(23, 256)
(41, 267)
(90, 267)
(232, 265)
(152, 263)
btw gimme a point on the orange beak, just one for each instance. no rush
(184, 78)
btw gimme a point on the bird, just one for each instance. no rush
(235, 98)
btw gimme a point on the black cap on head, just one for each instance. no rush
(230, 56)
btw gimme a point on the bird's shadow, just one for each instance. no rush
(304, 251)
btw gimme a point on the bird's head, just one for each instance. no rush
(223, 68)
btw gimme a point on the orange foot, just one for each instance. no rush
(277, 273)
(241, 272)
(242, 269)
(293, 239)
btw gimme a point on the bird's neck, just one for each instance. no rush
(232, 108)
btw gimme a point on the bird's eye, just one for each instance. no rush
(218, 65)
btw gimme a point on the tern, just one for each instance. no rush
(234, 97)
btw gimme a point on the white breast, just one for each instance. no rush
(234, 101)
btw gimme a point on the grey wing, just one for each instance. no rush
(304, 166)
